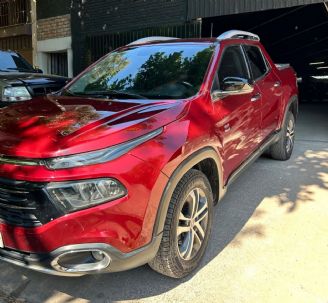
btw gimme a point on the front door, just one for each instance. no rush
(238, 117)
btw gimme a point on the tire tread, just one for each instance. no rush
(164, 261)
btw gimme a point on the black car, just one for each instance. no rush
(19, 81)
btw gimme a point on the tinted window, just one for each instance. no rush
(256, 61)
(14, 62)
(168, 71)
(232, 65)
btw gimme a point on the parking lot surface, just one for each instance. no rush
(269, 241)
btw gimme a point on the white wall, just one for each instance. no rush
(45, 47)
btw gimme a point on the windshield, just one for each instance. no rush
(168, 71)
(13, 62)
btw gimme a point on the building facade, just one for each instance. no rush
(54, 53)
(205, 8)
(16, 27)
(99, 26)
(68, 35)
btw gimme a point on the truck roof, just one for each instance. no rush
(229, 35)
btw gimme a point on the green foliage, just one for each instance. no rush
(162, 73)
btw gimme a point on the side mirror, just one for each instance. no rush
(233, 86)
(38, 70)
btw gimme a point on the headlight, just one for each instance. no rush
(15, 94)
(83, 194)
(99, 156)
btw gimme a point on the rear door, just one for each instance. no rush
(237, 117)
(269, 87)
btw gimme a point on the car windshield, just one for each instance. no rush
(10, 61)
(161, 71)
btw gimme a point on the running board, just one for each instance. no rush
(252, 158)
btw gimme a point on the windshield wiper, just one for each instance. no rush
(110, 93)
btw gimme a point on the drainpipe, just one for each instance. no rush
(34, 31)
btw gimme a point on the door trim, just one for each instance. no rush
(253, 157)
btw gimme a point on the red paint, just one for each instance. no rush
(56, 126)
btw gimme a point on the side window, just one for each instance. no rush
(232, 65)
(257, 63)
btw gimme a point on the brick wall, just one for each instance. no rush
(55, 27)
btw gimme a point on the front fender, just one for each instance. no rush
(180, 171)
(171, 154)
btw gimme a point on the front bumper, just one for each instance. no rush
(126, 223)
(123, 229)
(48, 263)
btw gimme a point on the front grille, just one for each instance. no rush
(25, 204)
(44, 90)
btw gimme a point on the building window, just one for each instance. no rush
(14, 12)
(58, 64)
(4, 13)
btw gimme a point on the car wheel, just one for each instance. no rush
(283, 149)
(187, 227)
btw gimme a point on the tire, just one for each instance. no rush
(174, 257)
(283, 149)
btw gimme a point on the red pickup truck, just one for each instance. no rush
(124, 165)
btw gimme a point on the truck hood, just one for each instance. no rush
(55, 126)
(30, 79)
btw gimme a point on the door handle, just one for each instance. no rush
(256, 97)
(277, 84)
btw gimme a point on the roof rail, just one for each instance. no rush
(151, 39)
(236, 34)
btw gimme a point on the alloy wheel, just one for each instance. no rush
(290, 133)
(192, 224)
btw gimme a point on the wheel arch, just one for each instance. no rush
(206, 160)
(291, 105)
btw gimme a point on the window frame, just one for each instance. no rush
(268, 67)
(220, 63)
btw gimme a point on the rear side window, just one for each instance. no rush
(256, 60)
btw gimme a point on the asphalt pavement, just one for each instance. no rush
(269, 241)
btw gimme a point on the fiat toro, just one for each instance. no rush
(124, 165)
